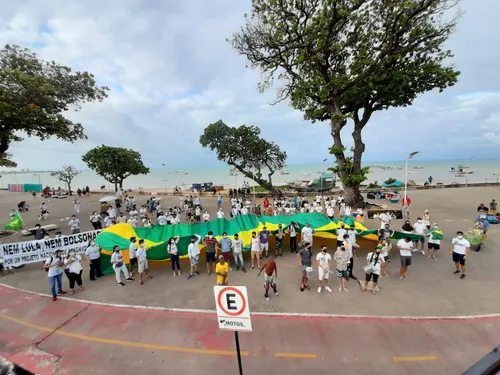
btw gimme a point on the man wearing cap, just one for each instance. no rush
(483, 224)
(221, 270)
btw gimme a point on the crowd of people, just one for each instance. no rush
(225, 255)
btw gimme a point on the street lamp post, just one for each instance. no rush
(39, 178)
(165, 180)
(406, 175)
(321, 179)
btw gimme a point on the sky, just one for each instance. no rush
(171, 73)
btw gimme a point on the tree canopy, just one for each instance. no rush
(34, 94)
(244, 149)
(115, 164)
(66, 175)
(341, 60)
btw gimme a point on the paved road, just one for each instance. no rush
(70, 337)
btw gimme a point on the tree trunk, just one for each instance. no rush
(121, 183)
(353, 197)
(267, 185)
(69, 188)
(116, 186)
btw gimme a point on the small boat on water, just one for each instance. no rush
(418, 167)
(181, 172)
(413, 172)
(461, 170)
(284, 172)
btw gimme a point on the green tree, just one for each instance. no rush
(66, 175)
(343, 60)
(34, 94)
(244, 149)
(115, 164)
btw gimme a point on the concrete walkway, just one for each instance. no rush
(70, 337)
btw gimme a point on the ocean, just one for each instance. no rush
(160, 179)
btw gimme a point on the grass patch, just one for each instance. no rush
(260, 189)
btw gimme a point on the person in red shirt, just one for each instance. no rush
(266, 203)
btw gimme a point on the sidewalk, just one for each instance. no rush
(70, 337)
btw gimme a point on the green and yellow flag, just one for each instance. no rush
(15, 223)
(436, 234)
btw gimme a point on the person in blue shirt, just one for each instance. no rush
(483, 224)
(225, 247)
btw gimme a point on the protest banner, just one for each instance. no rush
(19, 253)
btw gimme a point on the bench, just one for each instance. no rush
(31, 231)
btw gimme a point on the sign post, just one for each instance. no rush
(233, 312)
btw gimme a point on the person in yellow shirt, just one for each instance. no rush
(221, 270)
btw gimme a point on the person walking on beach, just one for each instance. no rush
(73, 263)
(459, 250)
(269, 268)
(194, 255)
(324, 260)
(119, 265)
(292, 234)
(376, 261)
(93, 256)
(304, 257)
(74, 224)
(342, 260)
(255, 250)
(237, 246)
(132, 251)
(53, 266)
(222, 271)
(405, 247)
(173, 252)
(211, 244)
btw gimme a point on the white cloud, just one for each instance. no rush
(172, 72)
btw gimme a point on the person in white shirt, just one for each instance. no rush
(385, 219)
(197, 201)
(347, 210)
(121, 219)
(433, 244)
(76, 202)
(133, 212)
(292, 234)
(170, 218)
(111, 213)
(146, 222)
(220, 214)
(459, 250)
(107, 221)
(194, 254)
(206, 217)
(324, 260)
(405, 247)
(54, 266)
(161, 219)
(376, 260)
(197, 214)
(95, 220)
(237, 246)
(132, 249)
(132, 221)
(340, 234)
(93, 256)
(142, 212)
(174, 254)
(342, 209)
(255, 250)
(74, 224)
(244, 211)
(73, 263)
(234, 211)
(385, 248)
(420, 228)
(330, 212)
(352, 233)
(119, 265)
(142, 260)
(307, 234)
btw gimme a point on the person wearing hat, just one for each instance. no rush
(54, 266)
(221, 270)
(483, 225)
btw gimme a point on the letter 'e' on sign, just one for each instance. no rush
(233, 311)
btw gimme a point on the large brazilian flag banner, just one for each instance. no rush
(156, 237)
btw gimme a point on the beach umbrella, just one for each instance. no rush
(108, 199)
(154, 194)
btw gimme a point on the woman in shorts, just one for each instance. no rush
(376, 261)
(385, 248)
(342, 259)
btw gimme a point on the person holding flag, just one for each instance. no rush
(16, 222)
(434, 243)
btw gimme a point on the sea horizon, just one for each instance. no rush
(483, 170)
